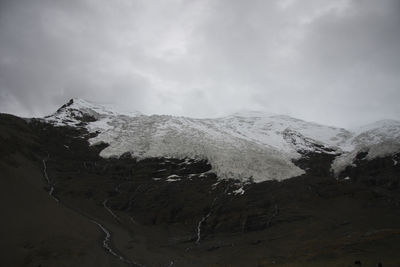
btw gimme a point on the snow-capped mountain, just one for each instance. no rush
(378, 139)
(244, 145)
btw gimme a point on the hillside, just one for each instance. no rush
(92, 186)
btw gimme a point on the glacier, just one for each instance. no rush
(247, 145)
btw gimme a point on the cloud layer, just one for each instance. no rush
(334, 62)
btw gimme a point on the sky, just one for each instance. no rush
(336, 62)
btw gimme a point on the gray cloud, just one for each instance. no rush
(334, 62)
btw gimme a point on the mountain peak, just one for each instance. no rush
(100, 108)
(77, 111)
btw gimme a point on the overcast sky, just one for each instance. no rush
(334, 62)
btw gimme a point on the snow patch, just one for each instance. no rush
(173, 178)
(239, 191)
(382, 149)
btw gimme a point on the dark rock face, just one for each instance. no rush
(305, 144)
(180, 207)
(381, 174)
(69, 103)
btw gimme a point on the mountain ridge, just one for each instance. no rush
(246, 144)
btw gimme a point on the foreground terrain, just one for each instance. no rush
(64, 205)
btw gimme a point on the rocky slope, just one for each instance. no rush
(66, 204)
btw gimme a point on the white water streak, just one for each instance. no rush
(199, 227)
(208, 215)
(106, 243)
(107, 238)
(46, 176)
(107, 246)
(109, 210)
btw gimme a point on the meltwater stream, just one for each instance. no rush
(49, 182)
(107, 238)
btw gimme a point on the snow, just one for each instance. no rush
(232, 156)
(383, 149)
(173, 178)
(170, 180)
(237, 146)
(239, 191)
(69, 115)
(103, 109)
(248, 144)
(379, 139)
